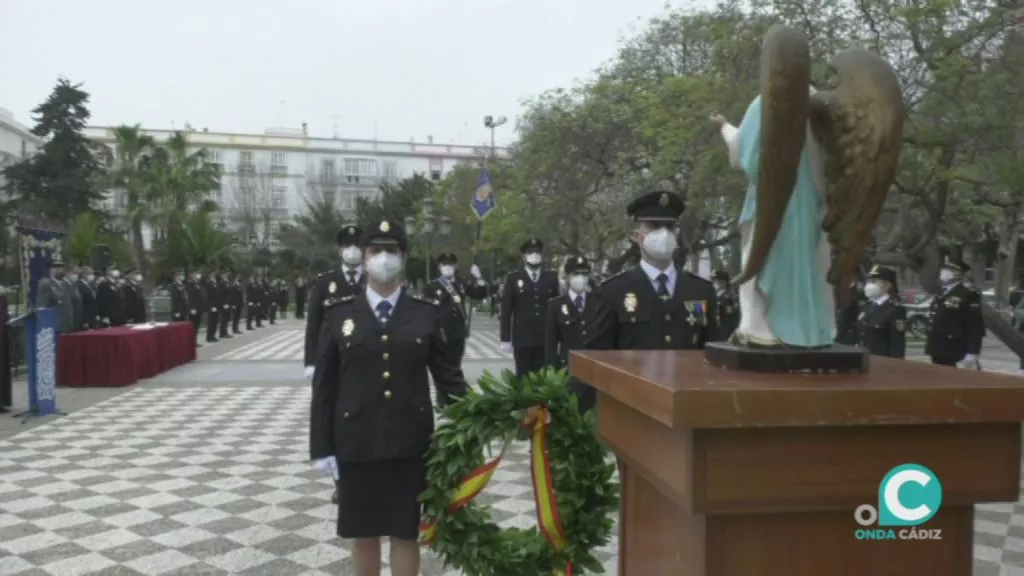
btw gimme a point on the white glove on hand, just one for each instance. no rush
(192, 311)
(327, 466)
(308, 372)
(506, 347)
(475, 271)
(971, 360)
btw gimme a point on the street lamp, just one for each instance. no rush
(431, 225)
(492, 123)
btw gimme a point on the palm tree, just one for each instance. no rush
(313, 232)
(127, 173)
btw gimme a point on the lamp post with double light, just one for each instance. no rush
(430, 226)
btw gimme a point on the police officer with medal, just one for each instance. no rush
(372, 417)
(883, 319)
(567, 317)
(957, 325)
(655, 306)
(347, 280)
(524, 306)
(455, 296)
(727, 308)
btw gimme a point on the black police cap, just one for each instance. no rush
(531, 245)
(56, 263)
(386, 233)
(656, 207)
(349, 234)
(576, 265)
(447, 258)
(883, 273)
(955, 264)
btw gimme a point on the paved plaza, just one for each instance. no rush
(204, 470)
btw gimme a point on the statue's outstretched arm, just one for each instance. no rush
(731, 135)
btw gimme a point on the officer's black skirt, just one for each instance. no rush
(377, 499)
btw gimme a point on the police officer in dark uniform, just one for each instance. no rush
(237, 303)
(211, 291)
(109, 302)
(347, 280)
(567, 320)
(883, 319)
(654, 306)
(269, 300)
(225, 297)
(847, 318)
(455, 296)
(727, 307)
(301, 291)
(372, 418)
(524, 307)
(196, 301)
(252, 303)
(134, 298)
(957, 325)
(179, 296)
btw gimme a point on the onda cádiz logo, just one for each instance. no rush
(909, 496)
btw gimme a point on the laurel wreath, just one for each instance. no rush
(573, 488)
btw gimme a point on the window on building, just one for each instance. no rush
(279, 197)
(24, 149)
(436, 168)
(214, 156)
(327, 168)
(278, 163)
(362, 167)
(330, 195)
(245, 160)
(390, 171)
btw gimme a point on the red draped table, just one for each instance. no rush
(122, 356)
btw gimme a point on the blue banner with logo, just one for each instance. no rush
(41, 333)
(38, 249)
(483, 201)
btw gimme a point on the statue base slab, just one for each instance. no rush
(838, 358)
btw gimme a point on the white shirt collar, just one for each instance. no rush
(881, 299)
(373, 298)
(532, 272)
(653, 273)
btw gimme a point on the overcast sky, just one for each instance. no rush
(392, 68)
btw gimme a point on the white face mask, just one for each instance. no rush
(578, 283)
(872, 290)
(384, 267)
(90, 277)
(946, 276)
(115, 274)
(351, 255)
(660, 244)
(533, 259)
(138, 277)
(447, 271)
(74, 277)
(197, 276)
(178, 279)
(120, 281)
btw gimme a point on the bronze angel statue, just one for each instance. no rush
(819, 166)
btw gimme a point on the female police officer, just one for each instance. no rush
(372, 417)
(883, 320)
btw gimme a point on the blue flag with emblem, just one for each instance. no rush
(483, 201)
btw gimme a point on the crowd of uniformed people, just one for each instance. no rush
(371, 344)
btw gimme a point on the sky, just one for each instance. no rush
(390, 69)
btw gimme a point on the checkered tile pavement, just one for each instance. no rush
(289, 345)
(190, 481)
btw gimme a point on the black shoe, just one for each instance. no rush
(212, 340)
(334, 497)
(225, 335)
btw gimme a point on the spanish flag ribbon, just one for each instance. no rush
(537, 420)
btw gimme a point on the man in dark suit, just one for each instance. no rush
(957, 325)
(179, 296)
(134, 297)
(655, 306)
(523, 308)
(252, 303)
(456, 297)
(300, 297)
(349, 279)
(568, 315)
(225, 297)
(371, 416)
(87, 293)
(237, 303)
(196, 292)
(109, 302)
(211, 297)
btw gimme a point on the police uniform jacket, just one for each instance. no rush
(371, 395)
(134, 302)
(455, 298)
(49, 293)
(631, 316)
(109, 303)
(225, 295)
(88, 295)
(252, 294)
(237, 295)
(330, 286)
(728, 313)
(957, 325)
(211, 291)
(524, 305)
(847, 329)
(179, 301)
(565, 327)
(883, 328)
(196, 298)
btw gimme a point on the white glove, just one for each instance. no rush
(971, 360)
(225, 306)
(192, 311)
(506, 347)
(308, 372)
(213, 309)
(475, 271)
(327, 466)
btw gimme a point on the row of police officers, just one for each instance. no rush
(85, 302)
(222, 297)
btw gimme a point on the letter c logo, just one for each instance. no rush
(909, 495)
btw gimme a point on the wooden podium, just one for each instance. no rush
(728, 473)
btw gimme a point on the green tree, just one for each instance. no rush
(128, 174)
(395, 201)
(64, 178)
(312, 236)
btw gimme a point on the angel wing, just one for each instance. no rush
(859, 126)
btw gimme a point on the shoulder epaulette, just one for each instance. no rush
(425, 300)
(322, 274)
(701, 278)
(613, 277)
(339, 300)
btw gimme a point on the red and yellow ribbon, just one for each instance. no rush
(537, 419)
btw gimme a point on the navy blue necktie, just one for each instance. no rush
(663, 286)
(384, 311)
(579, 303)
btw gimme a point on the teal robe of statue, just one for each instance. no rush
(798, 304)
